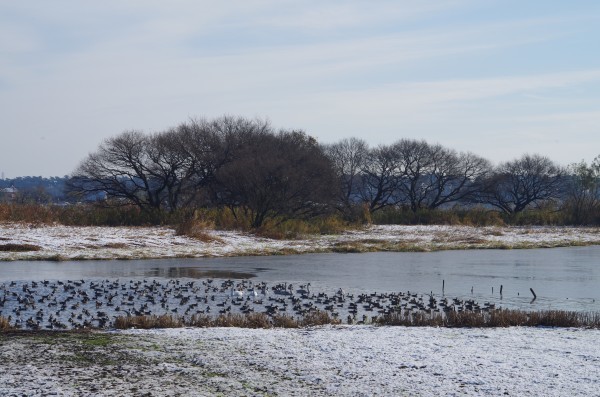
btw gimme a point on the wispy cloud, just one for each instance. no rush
(444, 71)
(332, 15)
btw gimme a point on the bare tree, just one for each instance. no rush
(379, 181)
(37, 195)
(212, 144)
(582, 198)
(409, 172)
(415, 166)
(277, 175)
(518, 184)
(433, 176)
(170, 166)
(120, 169)
(349, 159)
(166, 170)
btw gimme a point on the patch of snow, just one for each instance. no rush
(363, 360)
(71, 242)
(321, 361)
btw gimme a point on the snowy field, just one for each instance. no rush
(323, 361)
(67, 242)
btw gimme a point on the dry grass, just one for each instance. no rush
(284, 321)
(148, 322)
(374, 245)
(227, 320)
(290, 229)
(491, 319)
(352, 247)
(115, 245)
(18, 247)
(5, 324)
(197, 229)
(80, 215)
(199, 321)
(446, 237)
(250, 320)
(256, 320)
(317, 318)
(492, 232)
(495, 318)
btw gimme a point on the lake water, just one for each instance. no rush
(562, 278)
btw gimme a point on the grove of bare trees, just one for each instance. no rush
(251, 168)
(241, 164)
(518, 184)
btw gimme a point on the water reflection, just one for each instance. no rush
(195, 272)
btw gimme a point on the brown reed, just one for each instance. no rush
(484, 319)
(4, 324)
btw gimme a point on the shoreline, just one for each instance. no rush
(58, 242)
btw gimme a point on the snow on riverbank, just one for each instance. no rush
(323, 361)
(68, 242)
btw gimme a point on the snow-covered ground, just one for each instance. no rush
(342, 360)
(68, 242)
(323, 361)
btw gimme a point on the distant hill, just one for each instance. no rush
(37, 188)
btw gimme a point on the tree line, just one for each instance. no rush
(255, 170)
(34, 190)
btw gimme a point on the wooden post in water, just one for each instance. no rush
(443, 286)
(534, 295)
(500, 291)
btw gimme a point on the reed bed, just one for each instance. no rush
(318, 318)
(4, 324)
(250, 320)
(148, 322)
(492, 319)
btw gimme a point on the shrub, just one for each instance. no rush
(197, 229)
(194, 222)
(537, 217)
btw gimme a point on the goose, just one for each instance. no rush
(283, 289)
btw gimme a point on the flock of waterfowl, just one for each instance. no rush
(74, 304)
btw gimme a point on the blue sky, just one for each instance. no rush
(497, 78)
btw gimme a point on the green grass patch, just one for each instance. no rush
(102, 340)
